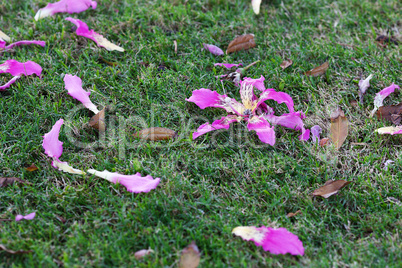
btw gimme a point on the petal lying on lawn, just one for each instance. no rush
(15, 68)
(228, 65)
(73, 85)
(291, 120)
(213, 49)
(390, 130)
(64, 166)
(380, 96)
(257, 83)
(364, 84)
(264, 131)
(223, 123)
(4, 37)
(279, 97)
(316, 130)
(25, 42)
(53, 147)
(256, 6)
(83, 30)
(133, 183)
(9, 83)
(29, 217)
(276, 241)
(69, 6)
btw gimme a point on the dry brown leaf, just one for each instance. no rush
(241, 42)
(8, 181)
(291, 214)
(142, 253)
(98, 121)
(156, 134)
(286, 63)
(190, 256)
(320, 70)
(339, 128)
(324, 142)
(31, 168)
(330, 188)
(391, 113)
(2, 247)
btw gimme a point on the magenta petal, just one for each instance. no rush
(69, 6)
(228, 65)
(257, 83)
(213, 49)
(380, 96)
(15, 68)
(74, 86)
(53, 147)
(30, 216)
(24, 42)
(223, 123)
(264, 131)
(9, 83)
(281, 241)
(315, 131)
(279, 97)
(204, 98)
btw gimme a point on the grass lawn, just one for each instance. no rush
(222, 179)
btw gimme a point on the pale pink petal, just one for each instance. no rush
(390, 130)
(2, 44)
(74, 86)
(223, 123)
(264, 131)
(15, 68)
(25, 42)
(365, 84)
(4, 37)
(380, 96)
(257, 83)
(133, 183)
(64, 166)
(213, 49)
(29, 217)
(53, 147)
(387, 163)
(68, 6)
(279, 97)
(83, 30)
(316, 130)
(9, 83)
(228, 65)
(291, 120)
(305, 134)
(256, 6)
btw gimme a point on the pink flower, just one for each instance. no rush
(30, 216)
(380, 96)
(19, 43)
(17, 69)
(276, 241)
(73, 85)
(213, 49)
(316, 130)
(83, 30)
(69, 6)
(228, 65)
(133, 183)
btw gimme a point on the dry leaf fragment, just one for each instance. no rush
(190, 256)
(339, 128)
(286, 63)
(330, 188)
(291, 214)
(241, 42)
(31, 168)
(98, 121)
(324, 142)
(2, 247)
(142, 253)
(320, 70)
(156, 134)
(391, 113)
(8, 181)
(385, 39)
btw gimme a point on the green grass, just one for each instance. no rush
(219, 181)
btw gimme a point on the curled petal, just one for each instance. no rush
(279, 97)
(53, 147)
(315, 131)
(9, 83)
(264, 131)
(4, 37)
(291, 120)
(133, 183)
(64, 166)
(83, 30)
(257, 83)
(15, 68)
(390, 130)
(223, 123)
(29, 217)
(380, 96)
(73, 85)
(365, 84)
(256, 6)
(69, 6)
(276, 241)
(228, 65)
(213, 49)
(25, 42)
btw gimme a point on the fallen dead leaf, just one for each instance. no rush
(291, 214)
(98, 121)
(324, 142)
(2, 247)
(142, 253)
(391, 113)
(241, 42)
(8, 181)
(156, 134)
(320, 70)
(31, 168)
(330, 188)
(286, 63)
(339, 128)
(190, 256)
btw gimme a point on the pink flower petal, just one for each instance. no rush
(380, 96)
(133, 183)
(276, 241)
(316, 130)
(30, 216)
(223, 123)
(74, 86)
(264, 131)
(25, 42)
(9, 83)
(64, 166)
(365, 84)
(228, 65)
(83, 30)
(279, 97)
(53, 147)
(69, 6)
(15, 68)
(390, 130)
(257, 83)
(291, 120)
(213, 49)
(4, 37)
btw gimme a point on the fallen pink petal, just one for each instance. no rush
(29, 217)
(65, 167)
(380, 96)
(213, 49)
(257, 83)
(292, 121)
(264, 131)
(65, 6)
(228, 65)
(316, 131)
(17, 69)
(83, 30)
(390, 130)
(134, 183)
(53, 147)
(223, 123)
(73, 85)
(276, 241)
(20, 43)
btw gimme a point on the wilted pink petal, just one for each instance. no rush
(25, 42)
(228, 65)
(279, 97)
(83, 30)
(213, 49)
(364, 84)
(380, 96)
(9, 83)
(264, 131)
(29, 217)
(53, 147)
(15, 68)
(257, 83)
(316, 130)
(223, 123)
(74, 86)
(390, 130)
(133, 183)
(69, 6)
(64, 166)
(256, 6)
(276, 241)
